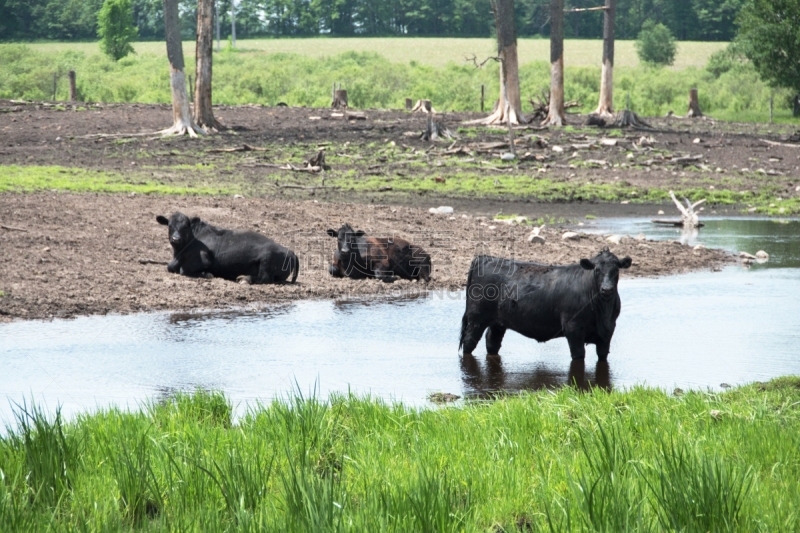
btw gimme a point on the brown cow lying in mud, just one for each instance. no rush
(200, 249)
(385, 258)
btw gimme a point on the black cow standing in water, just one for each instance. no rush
(542, 302)
(358, 256)
(200, 249)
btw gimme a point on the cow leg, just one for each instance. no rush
(577, 349)
(494, 338)
(472, 329)
(602, 348)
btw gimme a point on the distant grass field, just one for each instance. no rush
(433, 51)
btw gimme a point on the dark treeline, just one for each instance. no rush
(77, 19)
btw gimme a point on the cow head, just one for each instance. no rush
(180, 229)
(605, 267)
(346, 238)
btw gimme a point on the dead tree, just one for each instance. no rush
(555, 115)
(509, 108)
(606, 106)
(694, 104)
(690, 218)
(203, 114)
(182, 120)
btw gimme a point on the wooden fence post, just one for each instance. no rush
(483, 96)
(73, 90)
(55, 84)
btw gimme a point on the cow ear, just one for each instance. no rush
(586, 264)
(332, 233)
(162, 220)
(194, 220)
(359, 233)
(625, 262)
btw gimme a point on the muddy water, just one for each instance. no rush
(699, 330)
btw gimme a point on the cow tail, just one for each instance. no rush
(464, 320)
(295, 267)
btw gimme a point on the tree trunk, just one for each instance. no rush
(203, 113)
(510, 105)
(606, 106)
(233, 23)
(555, 114)
(694, 104)
(216, 23)
(182, 120)
(73, 90)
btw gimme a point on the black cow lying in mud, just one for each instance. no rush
(358, 256)
(542, 302)
(200, 249)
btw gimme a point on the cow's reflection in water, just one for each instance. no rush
(482, 381)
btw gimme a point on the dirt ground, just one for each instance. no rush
(731, 156)
(82, 253)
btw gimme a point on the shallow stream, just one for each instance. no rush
(700, 330)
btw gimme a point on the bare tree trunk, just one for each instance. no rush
(180, 101)
(216, 22)
(555, 114)
(203, 114)
(509, 108)
(606, 106)
(233, 23)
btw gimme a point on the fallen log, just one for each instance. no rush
(243, 148)
(152, 262)
(12, 228)
(676, 223)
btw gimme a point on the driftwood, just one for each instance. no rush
(775, 143)
(689, 217)
(152, 262)
(12, 228)
(355, 115)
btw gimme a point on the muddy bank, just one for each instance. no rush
(82, 253)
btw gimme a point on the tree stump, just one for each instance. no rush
(339, 99)
(409, 104)
(694, 104)
(73, 91)
(423, 106)
(435, 130)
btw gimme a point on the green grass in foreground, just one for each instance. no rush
(640, 460)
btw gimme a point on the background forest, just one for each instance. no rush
(694, 20)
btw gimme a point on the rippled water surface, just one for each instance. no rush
(690, 331)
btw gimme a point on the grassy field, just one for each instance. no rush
(433, 51)
(638, 460)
